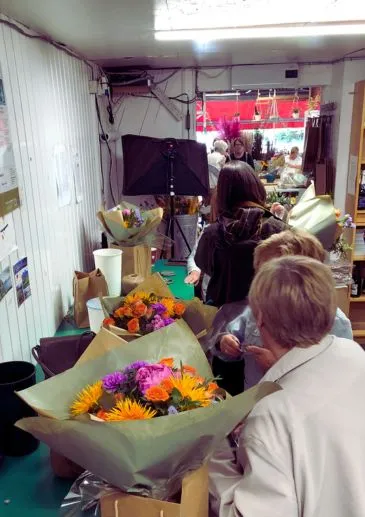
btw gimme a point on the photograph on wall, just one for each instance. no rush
(5, 282)
(22, 283)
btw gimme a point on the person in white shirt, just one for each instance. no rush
(293, 162)
(301, 451)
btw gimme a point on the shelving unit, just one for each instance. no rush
(356, 166)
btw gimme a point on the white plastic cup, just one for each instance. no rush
(96, 314)
(109, 261)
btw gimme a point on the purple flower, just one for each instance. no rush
(152, 375)
(114, 381)
(172, 410)
(159, 308)
(157, 322)
(135, 366)
(168, 321)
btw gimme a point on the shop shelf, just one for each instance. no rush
(359, 299)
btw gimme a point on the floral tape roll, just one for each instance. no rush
(129, 282)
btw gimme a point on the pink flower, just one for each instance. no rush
(152, 375)
(126, 212)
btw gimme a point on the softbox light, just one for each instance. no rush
(150, 162)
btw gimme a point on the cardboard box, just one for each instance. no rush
(135, 259)
(193, 501)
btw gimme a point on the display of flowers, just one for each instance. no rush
(144, 390)
(132, 218)
(344, 221)
(340, 247)
(142, 313)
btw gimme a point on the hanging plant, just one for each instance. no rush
(257, 113)
(295, 105)
(273, 114)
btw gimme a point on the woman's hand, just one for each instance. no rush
(278, 210)
(193, 278)
(264, 357)
(230, 346)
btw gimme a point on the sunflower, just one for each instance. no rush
(188, 387)
(169, 303)
(87, 400)
(128, 409)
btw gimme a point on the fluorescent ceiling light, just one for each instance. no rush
(283, 31)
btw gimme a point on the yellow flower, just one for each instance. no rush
(188, 387)
(169, 303)
(87, 399)
(136, 297)
(128, 409)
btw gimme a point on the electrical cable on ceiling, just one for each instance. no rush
(105, 138)
(50, 41)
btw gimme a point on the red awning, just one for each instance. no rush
(217, 110)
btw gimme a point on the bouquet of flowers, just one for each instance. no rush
(340, 247)
(144, 390)
(142, 313)
(127, 225)
(129, 448)
(132, 218)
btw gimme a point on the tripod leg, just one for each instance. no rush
(183, 235)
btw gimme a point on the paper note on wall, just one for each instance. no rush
(352, 176)
(9, 193)
(63, 177)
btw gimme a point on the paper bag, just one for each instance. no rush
(193, 501)
(85, 287)
(135, 259)
(316, 214)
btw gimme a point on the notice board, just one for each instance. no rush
(9, 193)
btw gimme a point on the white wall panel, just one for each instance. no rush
(49, 105)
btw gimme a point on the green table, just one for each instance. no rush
(29, 482)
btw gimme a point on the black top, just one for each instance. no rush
(246, 157)
(226, 248)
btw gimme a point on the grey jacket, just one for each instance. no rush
(245, 329)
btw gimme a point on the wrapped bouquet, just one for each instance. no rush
(123, 443)
(151, 306)
(142, 313)
(144, 390)
(127, 225)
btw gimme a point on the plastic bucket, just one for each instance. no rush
(96, 314)
(109, 261)
(15, 376)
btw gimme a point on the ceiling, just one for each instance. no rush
(121, 32)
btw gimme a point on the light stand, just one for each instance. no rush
(169, 152)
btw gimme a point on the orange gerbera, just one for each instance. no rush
(128, 409)
(139, 309)
(179, 308)
(169, 304)
(167, 384)
(133, 325)
(156, 394)
(167, 361)
(212, 387)
(189, 369)
(108, 321)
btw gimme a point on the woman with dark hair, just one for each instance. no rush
(226, 248)
(240, 153)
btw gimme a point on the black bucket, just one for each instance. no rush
(15, 376)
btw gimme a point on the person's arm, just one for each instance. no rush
(204, 253)
(260, 481)
(227, 346)
(193, 271)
